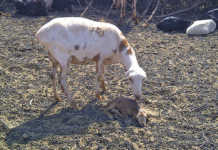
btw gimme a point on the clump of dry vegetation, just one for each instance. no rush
(180, 94)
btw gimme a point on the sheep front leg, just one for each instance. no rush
(53, 77)
(54, 72)
(100, 80)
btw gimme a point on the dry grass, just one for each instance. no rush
(181, 88)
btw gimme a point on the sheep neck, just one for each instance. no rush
(129, 61)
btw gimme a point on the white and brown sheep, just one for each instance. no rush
(79, 40)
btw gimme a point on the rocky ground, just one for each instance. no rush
(180, 93)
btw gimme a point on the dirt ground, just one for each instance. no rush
(180, 93)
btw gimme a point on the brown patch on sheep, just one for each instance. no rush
(96, 58)
(98, 30)
(129, 51)
(76, 47)
(74, 60)
(86, 60)
(108, 60)
(123, 44)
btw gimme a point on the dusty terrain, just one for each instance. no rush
(180, 93)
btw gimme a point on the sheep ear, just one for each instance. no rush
(129, 73)
(144, 75)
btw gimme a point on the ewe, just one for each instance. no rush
(79, 40)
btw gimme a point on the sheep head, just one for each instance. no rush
(136, 75)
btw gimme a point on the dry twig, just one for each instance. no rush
(154, 11)
(152, 14)
(86, 9)
(147, 8)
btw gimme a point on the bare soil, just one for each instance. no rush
(180, 93)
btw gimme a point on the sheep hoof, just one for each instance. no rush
(74, 105)
(99, 97)
(136, 21)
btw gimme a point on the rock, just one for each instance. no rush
(200, 27)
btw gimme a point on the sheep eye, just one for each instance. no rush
(131, 80)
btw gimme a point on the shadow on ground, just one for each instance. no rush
(66, 122)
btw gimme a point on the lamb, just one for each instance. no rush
(126, 107)
(79, 40)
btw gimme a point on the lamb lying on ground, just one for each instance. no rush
(79, 40)
(126, 107)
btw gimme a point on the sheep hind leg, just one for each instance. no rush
(100, 80)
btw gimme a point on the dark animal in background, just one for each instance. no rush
(172, 23)
(213, 14)
(61, 5)
(31, 7)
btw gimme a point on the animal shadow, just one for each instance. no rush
(65, 122)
